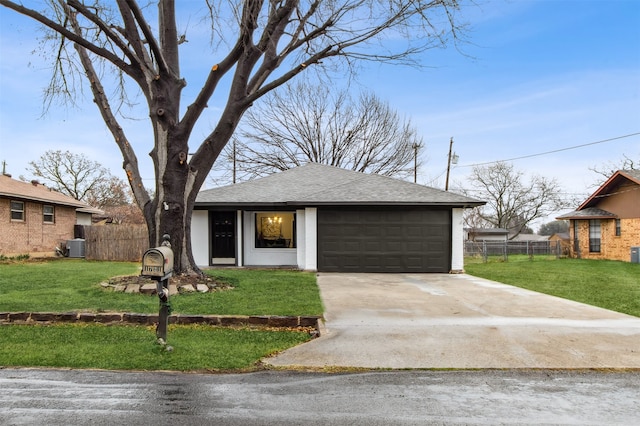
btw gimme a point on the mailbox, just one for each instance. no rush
(157, 263)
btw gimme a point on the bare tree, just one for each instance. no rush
(110, 193)
(306, 123)
(79, 177)
(250, 39)
(512, 202)
(605, 171)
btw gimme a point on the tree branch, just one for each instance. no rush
(69, 34)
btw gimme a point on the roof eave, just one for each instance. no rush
(41, 200)
(586, 217)
(605, 187)
(204, 204)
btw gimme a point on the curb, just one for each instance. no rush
(152, 319)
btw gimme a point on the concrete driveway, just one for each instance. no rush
(459, 321)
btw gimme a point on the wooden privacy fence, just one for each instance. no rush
(116, 242)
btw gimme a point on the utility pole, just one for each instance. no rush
(415, 147)
(234, 160)
(453, 158)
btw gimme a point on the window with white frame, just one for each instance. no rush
(275, 230)
(17, 211)
(48, 214)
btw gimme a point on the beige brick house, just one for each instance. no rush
(35, 219)
(607, 224)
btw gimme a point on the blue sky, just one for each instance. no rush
(533, 77)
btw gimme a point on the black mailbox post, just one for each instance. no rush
(157, 263)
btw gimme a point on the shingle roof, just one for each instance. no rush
(589, 213)
(632, 175)
(317, 184)
(11, 188)
(497, 231)
(610, 185)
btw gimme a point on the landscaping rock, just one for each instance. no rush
(148, 289)
(187, 288)
(132, 288)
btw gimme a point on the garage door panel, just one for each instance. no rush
(392, 240)
(414, 246)
(350, 246)
(393, 246)
(372, 231)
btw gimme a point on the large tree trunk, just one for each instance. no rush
(173, 217)
(170, 210)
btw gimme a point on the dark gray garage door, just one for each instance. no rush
(384, 240)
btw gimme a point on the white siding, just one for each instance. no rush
(239, 248)
(300, 233)
(457, 240)
(83, 218)
(254, 256)
(310, 239)
(200, 237)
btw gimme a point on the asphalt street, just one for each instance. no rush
(535, 397)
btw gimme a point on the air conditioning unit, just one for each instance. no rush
(75, 247)
(635, 254)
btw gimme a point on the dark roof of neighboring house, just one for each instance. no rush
(317, 184)
(613, 182)
(34, 191)
(589, 213)
(529, 237)
(497, 231)
(588, 209)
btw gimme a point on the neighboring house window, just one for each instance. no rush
(576, 241)
(594, 235)
(17, 210)
(48, 214)
(275, 230)
(618, 228)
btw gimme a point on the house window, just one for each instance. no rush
(576, 240)
(275, 230)
(17, 210)
(48, 214)
(594, 235)
(618, 228)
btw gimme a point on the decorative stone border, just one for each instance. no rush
(151, 319)
(150, 288)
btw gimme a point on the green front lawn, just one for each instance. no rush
(70, 285)
(607, 284)
(195, 348)
(73, 285)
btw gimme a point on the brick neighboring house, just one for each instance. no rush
(35, 219)
(607, 224)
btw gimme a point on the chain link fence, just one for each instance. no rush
(502, 250)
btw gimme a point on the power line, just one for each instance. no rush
(552, 152)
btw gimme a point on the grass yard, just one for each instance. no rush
(607, 284)
(196, 348)
(73, 285)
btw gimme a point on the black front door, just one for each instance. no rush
(223, 225)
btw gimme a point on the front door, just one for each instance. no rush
(223, 226)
